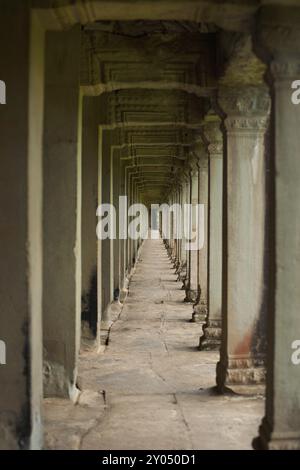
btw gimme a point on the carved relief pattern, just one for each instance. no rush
(215, 148)
(288, 70)
(214, 138)
(246, 108)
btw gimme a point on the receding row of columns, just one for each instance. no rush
(60, 165)
(230, 280)
(243, 283)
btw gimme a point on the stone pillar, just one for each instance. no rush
(21, 130)
(128, 247)
(280, 428)
(62, 213)
(90, 317)
(173, 229)
(135, 242)
(178, 227)
(242, 358)
(183, 274)
(179, 241)
(131, 242)
(106, 261)
(200, 307)
(131, 174)
(116, 242)
(127, 241)
(123, 242)
(192, 287)
(170, 229)
(211, 338)
(181, 251)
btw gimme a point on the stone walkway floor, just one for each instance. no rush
(152, 388)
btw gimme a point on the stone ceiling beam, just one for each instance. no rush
(184, 61)
(229, 14)
(155, 108)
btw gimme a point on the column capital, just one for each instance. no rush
(200, 151)
(199, 144)
(185, 176)
(278, 40)
(213, 135)
(202, 162)
(193, 164)
(247, 108)
(284, 69)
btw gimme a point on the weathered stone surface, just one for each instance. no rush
(21, 222)
(212, 335)
(158, 389)
(154, 86)
(213, 138)
(62, 214)
(244, 307)
(280, 428)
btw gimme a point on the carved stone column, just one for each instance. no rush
(90, 315)
(192, 286)
(123, 243)
(183, 273)
(179, 241)
(242, 358)
(62, 214)
(200, 307)
(177, 258)
(174, 254)
(105, 264)
(211, 338)
(279, 34)
(172, 228)
(21, 221)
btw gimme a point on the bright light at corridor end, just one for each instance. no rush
(181, 222)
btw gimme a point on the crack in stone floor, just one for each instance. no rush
(159, 388)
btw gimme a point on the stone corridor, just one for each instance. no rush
(112, 107)
(152, 388)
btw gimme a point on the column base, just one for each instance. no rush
(132, 271)
(272, 440)
(11, 437)
(181, 272)
(181, 276)
(199, 313)
(190, 296)
(242, 375)
(87, 332)
(57, 382)
(123, 295)
(112, 313)
(211, 338)
(178, 267)
(89, 341)
(114, 310)
(184, 283)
